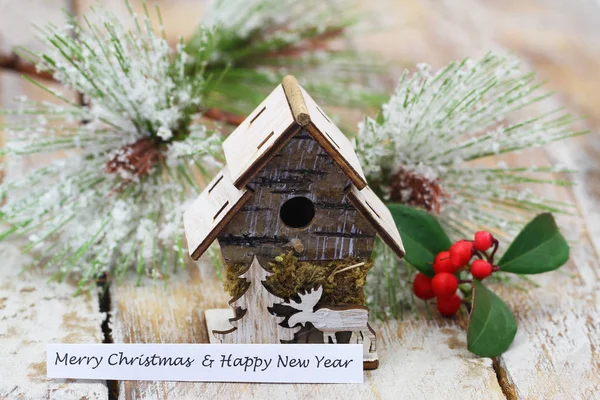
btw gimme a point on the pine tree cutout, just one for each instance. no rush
(254, 322)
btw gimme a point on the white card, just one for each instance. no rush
(281, 363)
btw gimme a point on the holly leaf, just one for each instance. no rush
(422, 235)
(492, 326)
(539, 247)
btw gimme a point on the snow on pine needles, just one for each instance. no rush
(422, 147)
(257, 42)
(131, 154)
(426, 148)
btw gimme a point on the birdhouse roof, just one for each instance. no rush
(286, 111)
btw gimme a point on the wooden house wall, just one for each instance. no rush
(301, 168)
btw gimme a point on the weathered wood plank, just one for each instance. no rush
(554, 354)
(418, 359)
(32, 314)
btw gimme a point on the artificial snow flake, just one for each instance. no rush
(421, 148)
(116, 197)
(427, 147)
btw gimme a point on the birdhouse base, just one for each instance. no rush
(217, 319)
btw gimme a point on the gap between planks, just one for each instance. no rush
(105, 302)
(417, 357)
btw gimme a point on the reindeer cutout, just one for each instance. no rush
(332, 319)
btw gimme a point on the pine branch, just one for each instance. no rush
(223, 116)
(17, 64)
(257, 42)
(92, 216)
(421, 147)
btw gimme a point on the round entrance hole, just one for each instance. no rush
(297, 212)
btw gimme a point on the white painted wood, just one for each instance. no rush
(264, 131)
(418, 359)
(555, 351)
(211, 211)
(376, 212)
(217, 319)
(257, 324)
(554, 355)
(34, 313)
(331, 320)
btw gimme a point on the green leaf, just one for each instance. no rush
(422, 235)
(539, 247)
(492, 326)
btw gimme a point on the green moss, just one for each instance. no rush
(290, 276)
(233, 284)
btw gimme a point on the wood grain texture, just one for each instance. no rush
(295, 100)
(335, 143)
(330, 319)
(301, 169)
(33, 314)
(160, 312)
(253, 322)
(376, 212)
(421, 354)
(555, 352)
(262, 134)
(418, 359)
(211, 212)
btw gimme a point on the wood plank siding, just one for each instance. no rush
(301, 168)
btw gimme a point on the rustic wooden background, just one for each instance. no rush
(556, 353)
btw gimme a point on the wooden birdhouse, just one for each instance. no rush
(295, 221)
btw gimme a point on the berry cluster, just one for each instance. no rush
(448, 264)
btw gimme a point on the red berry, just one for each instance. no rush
(442, 263)
(444, 284)
(461, 253)
(483, 240)
(449, 306)
(422, 287)
(481, 269)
